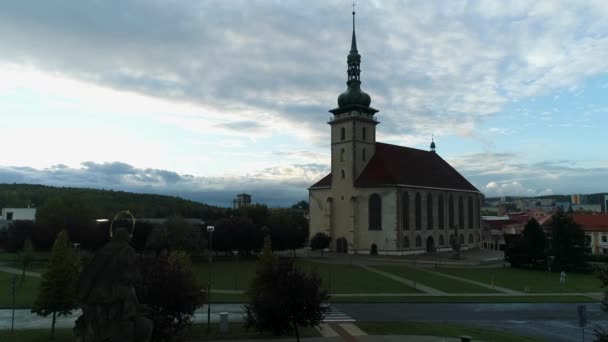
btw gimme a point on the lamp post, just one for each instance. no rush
(210, 230)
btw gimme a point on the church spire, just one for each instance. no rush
(354, 58)
(354, 96)
(433, 146)
(353, 43)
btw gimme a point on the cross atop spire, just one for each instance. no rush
(353, 44)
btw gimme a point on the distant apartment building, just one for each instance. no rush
(496, 227)
(576, 199)
(493, 231)
(8, 215)
(241, 200)
(596, 229)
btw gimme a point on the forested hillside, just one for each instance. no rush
(94, 203)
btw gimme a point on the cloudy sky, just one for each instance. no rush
(205, 99)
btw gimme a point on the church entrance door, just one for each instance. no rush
(430, 244)
(341, 245)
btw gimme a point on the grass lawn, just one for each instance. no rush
(226, 275)
(338, 278)
(467, 299)
(36, 335)
(229, 275)
(535, 281)
(12, 258)
(198, 332)
(434, 281)
(24, 295)
(440, 329)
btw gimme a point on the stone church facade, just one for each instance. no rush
(384, 197)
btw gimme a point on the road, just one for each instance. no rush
(25, 319)
(553, 322)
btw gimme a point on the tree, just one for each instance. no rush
(182, 236)
(59, 287)
(157, 240)
(516, 250)
(289, 229)
(282, 297)
(26, 257)
(237, 233)
(601, 333)
(16, 234)
(172, 294)
(568, 243)
(536, 241)
(303, 205)
(320, 241)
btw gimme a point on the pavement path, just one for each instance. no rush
(410, 283)
(549, 321)
(478, 283)
(13, 270)
(25, 319)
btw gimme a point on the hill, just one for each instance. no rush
(102, 203)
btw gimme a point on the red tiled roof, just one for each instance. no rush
(592, 222)
(325, 182)
(398, 165)
(392, 164)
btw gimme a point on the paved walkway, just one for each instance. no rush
(478, 283)
(13, 270)
(367, 338)
(410, 283)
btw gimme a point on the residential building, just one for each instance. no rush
(7, 215)
(596, 228)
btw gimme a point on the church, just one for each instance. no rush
(386, 198)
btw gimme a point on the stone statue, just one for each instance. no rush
(106, 291)
(455, 242)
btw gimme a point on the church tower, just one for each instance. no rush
(353, 126)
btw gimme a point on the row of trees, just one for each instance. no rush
(282, 297)
(241, 231)
(565, 247)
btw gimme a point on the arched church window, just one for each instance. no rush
(363, 134)
(406, 242)
(451, 212)
(342, 133)
(441, 240)
(461, 239)
(418, 241)
(471, 238)
(418, 211)
(342, 155)
(460, 212)
(440, 212)
(363, 154)
(405, 209)
(375, 212)
(470, 212)
(342, 174)
(429, 211)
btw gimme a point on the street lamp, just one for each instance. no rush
(210, 230)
